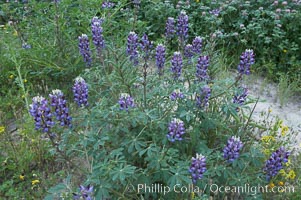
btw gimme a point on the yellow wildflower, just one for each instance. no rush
(11, 76)
(282, 172)
(197, 1)
(280, 183)
(271, 185)
(266, 151)
(291, 174)
(270, 110)
(2, 129)
(192, 195)
(25, 80)
(288, 163)
(267, 138)
(35, 182)
(284, 130)
(22, 177)
(23, 96)
(284, 50)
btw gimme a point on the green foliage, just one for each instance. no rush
(286, 90)
(271, 30)
(117, 151)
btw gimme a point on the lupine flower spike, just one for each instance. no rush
(176, 65)
(197, 167)
(182, 27)
(107, 4)
(275, 163)
(176, 130)
(126, 102)
(197, 44)
(41, 112)
(146, 46)
(247, 59)
(136, 3)
(61, 110)
(215, 12)
(84, 48)
(85, 193)
(80, 92)
(202, 99)
(160, 58)
(231, 150)
(240, 97)
(170, 28)
(132, 44)
(97, 36)
(188, 52)
(177, 94)
(201, 68)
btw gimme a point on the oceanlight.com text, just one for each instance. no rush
(246, 188)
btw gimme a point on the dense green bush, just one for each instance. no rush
(272, 30)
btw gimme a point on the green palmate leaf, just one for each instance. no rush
(57, 189)
(122, 172)
(179, 175)
(152, 150)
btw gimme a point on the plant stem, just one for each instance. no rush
(144, 80)
(63, 154)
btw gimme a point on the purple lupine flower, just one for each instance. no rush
(176, 130)
(177, 94)
(197, 44)
(84, 48)
(41, 113)
(107, 4)
(202, 99)
(201, 68)
(26, 46)
(182, 26)
(275, 163)
(61, 110)
(80, 92)
(188, 52)
(85, 193)
(247, 59)
(146, 46)
(160, 58)
(126, 101)
(215, 12)
(97, 36)
(176, 64)
(197, 167)
(132, 44)
(170, 28)
(231, 150)
(97, 20)
(179, 4)
(241, 96)
(136, 3)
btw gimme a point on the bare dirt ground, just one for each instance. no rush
(269, 98)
